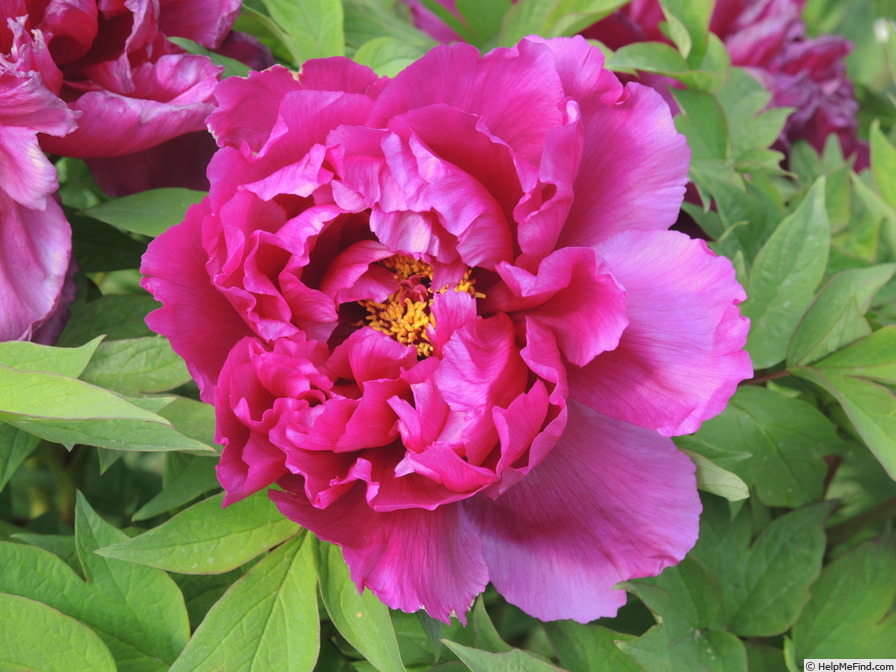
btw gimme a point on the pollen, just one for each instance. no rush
(406, 314)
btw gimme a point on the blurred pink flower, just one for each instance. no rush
(35, 237)
(112, 61)
(445, 314)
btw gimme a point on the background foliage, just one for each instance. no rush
(114, 550)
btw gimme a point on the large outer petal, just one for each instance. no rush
(610, 503)
(35, 250)
(204, 21)
(198, 320)
(410, 558)
(682, 356)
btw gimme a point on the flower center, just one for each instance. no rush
(407, 312)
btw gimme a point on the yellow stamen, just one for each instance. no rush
(406, 313)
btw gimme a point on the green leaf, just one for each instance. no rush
(137, 366)
(485, 635)
(359, 617)
(586, 648)
(851, 612)
(232, 67)
(149, 213)
(33, 357)
(870, 407)
(786, 437)
(766, 585)
(387, 56)
(312, 28)
(267, 620)
(883, 164)
(552, 18)
(204, 539)
(192, 418)
(703, 123)
(366, 20)
(714, 650)
(511, 661)
(482, 19)
(15, 447)
(99, 247)
(873, 357)
(688, 24)
(751, 124)
(137, 611)
(662, 59)
(195, 477)
(116, 316)
(835, 318)
(717, 480)
(37, 637)
(784, 276)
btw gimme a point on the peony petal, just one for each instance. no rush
(411, 558)
(681, 357)
(633, 171)
(35, 251)
(206, 22)
(610, 503)
(174, 270)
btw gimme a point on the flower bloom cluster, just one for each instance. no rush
(767, 37)
(445, 314)
(101, 81)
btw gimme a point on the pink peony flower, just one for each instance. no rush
(445, 314)
(113, 63)
(35, 238)
(768, 37)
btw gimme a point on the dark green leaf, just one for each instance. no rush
(116, 316)
(360, 617)
(266, 621)
(850, 614)
(195, 478)
(99, 247)
(137, 366)
(784, 276)
(485, 635)
(15, 447)
(873, 357)
(511, 661)
(148, 213)
(586, 648)
(205, 539)
(714, 650)
(37, 637)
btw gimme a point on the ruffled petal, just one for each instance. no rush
(682, 356)
(610, 503)
(206, 22)
(411, 558)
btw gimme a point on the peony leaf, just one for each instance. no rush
(37, 637)
(585, 648)
(716, 480)
(873, 357)
(137, 611)
(195, 476)
(360, 617)
(511, 661)
(883, 163)
(15, 447)
(835, 318)
(784, 276)
(192, 418)
(688, 25)
(552, 19)
(387, 56)
(869, 406)
(703, 123)
(148, 213)
(266, 621)
(69, 362)
(137, 366)
(716, 650)
(766, 583)
(850, 613)
(311, 28)
(100, 247)
(203, 539)
(116, 316)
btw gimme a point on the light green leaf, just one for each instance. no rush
(870, 407)
(703, 123)
(717, 480)
(851, 613)
(586, 648)
(873, 357)
(192, 418)
(883, 164)
(835, 318)
(149, 213)
(195, 477)
(485, 635)
(366, 20)
(311, 28)
(27, 356)
(511, 661)
(662, 59)
(483, 19)
(360, 617)
(266, 621)
(784, 276)
(552, 18)
(137, 366)
(204, 539)
(387, 56)
(37, 637)
(688, 22)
